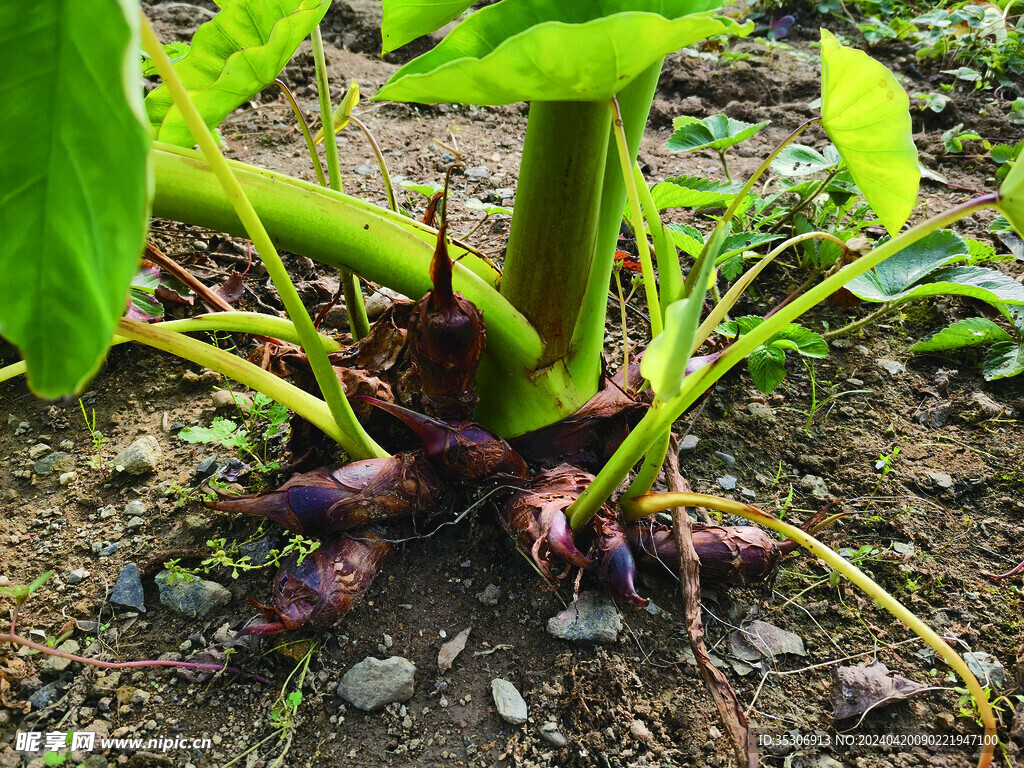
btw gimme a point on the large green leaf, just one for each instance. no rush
(693, 192)
(1011, 196)
(1005, 359)
(553, 50)
(74, 198)
(233, 57)
(963, 333)
(716, 132)
(866, 114)
(797, 160)
(973, 282)
(897, 274)
(405, 20)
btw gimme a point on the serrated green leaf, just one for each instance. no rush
(716, 132)
(767, 367)
(731, 267)
(1004, 359)
(739, 326)
(896, 275)
(233, 57)
(1011, 197)
(74, 200)
(476, 205)
(974, 282)
(553, 50)
(687, 239)
(428, 190)
(693, 192)
(866, 114)
(221, 432)
(802, 340)
(405, 20)
(963, 333)
(797, 160)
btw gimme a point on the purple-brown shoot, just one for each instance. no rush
(319, 591)
(460, 450)
(535, 517)
(616, 567)
(731, 556)
(446, 340)
(327, 501)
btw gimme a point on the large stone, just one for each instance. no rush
(593, 618)
(141, 457)
(372, 684)
(194, 598)
(509, 702)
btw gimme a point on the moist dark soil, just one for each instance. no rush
(950, 509)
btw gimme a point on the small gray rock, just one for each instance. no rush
(478, 172)
(593, 618)
(194, 598)
(689, 443)
(37, 450)
(490, 596)
(550, 733)
(78, 575)
(986, 667)
(372, 684)
(748, 494)
(47, 695)
(761, 412)
(141, 457)
(226, 400)
(509, 702)
(135, 522)
(109, 549)
(364, 169)
(258, 551)
(726, 458)
(814, 485)
(727, 482)
(133, 508)
(892, 367)
(759, 639)
(55, 664)
(128, 588)
(936, 481)
(59, 462)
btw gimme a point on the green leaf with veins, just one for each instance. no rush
(767, 366)
(233, 57)
(693, 192)
(1005, 359)
(866, 114)
(963, 333)
(716, 132)
(554, 50)
(74, 195)
(405, 20)
(767, 362)
(221, 432)
(797, 160)
(894, 276)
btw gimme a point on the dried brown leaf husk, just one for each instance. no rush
(535, 517)
(589, 437)
(319, 591)
(730, 556)
(328, 501)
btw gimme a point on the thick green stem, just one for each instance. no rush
(311, 408)
(358, 323)
(650, 505)
(551, 244)
(649, 470)
(337, 230)
(662, 414)
(358, 444)
(588, 338)
(654, 307)
(670, 273)
(304, 127)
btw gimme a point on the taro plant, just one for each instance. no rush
(493, 362)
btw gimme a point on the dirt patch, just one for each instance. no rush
(950, 508)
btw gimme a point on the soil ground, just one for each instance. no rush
(950, 509)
